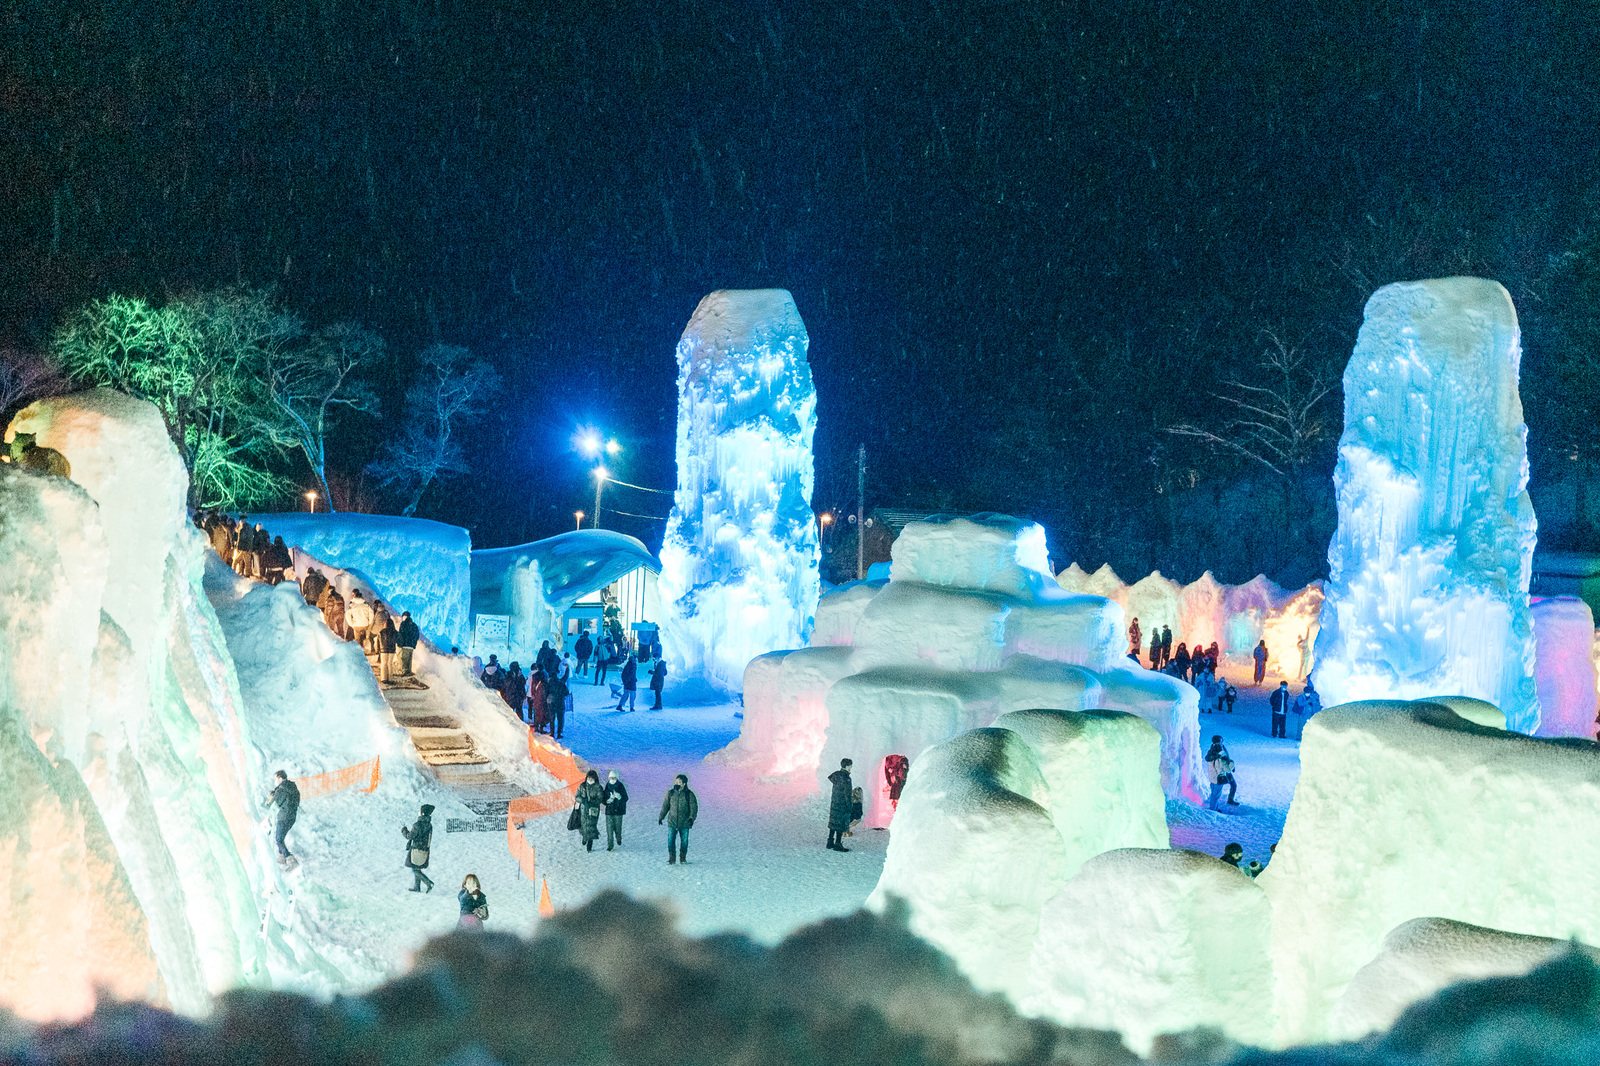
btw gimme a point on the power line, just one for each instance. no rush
(630, 514)
(641, 488)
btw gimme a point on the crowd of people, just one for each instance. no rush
(250, 550)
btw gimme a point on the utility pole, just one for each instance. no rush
(861, 513)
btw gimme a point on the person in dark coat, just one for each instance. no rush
(1280, 710)
(1219, 769)
(1232, 854)
(1135, 638)
(555, 702)
(494, 675)
(1181, 660)
(405, 641)
(630, 683)
(387, 642)
(679, 808)
(1230, 696)
(615, 797)
(839, 806)
(1260, 656)
(589, 799)
(286, 796)
(1166, 645)
(584, 648)
(603, 658)
(547, 658)
(474, 904)
(419, 839)
(514, 689)
(311, 588)
(658, 679)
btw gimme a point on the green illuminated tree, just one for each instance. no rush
(204, 361)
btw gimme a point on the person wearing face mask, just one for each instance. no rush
(679, 808)
(615, 798)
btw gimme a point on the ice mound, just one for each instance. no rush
(1429, 568)
(1426, 955)
(1155, 941)
(739, 560)
(1563, 632)
(413, 564)
(993, 821)
(970, 626)
(1408, 810)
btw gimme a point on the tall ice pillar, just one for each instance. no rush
(739, 562)
(1428, 571)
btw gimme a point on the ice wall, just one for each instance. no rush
(1563, 631)
(413, 564)
(119, 670)
(1234, 616)
(739, 561)
(1407, 810)
(1429, 567)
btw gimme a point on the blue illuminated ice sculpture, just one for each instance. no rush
(739, 561)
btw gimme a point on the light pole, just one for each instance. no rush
(599, 484)
(579, 516)
(823, 521)
(311, 501)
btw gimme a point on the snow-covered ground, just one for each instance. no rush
(756, 858)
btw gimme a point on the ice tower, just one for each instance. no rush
(739, 562)
(1428, 571)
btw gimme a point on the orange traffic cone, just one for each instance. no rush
(546, 908)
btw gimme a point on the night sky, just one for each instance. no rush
(1026, 238)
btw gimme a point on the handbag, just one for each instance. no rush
(573, 820)
(482, 912)
(419, 856)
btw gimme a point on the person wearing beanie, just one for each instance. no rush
(419, 837)
(616, 801)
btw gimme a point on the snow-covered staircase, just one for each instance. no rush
(447, 748)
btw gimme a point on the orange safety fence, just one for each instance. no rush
(368, 773)
(520, 849)
(557, 760)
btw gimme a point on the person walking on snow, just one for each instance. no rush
(1260, 655)
(311, 588)
(1166, 645)
(1306, 704)
(679, 808)
(615, 797)
(1134, 635)
(419, 839)
(1230, 696)
(286, 795)
(588, 800)
(1280, 710)
(839, 806)
(474, 904)
(658, 678)
(630, 683)
(547, 658)
(584, 648)
(603, 657)
(1219, 769)
(856, 811)
(406, 642)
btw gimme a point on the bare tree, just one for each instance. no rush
(24, 377)
(313, 384)
(451, 390)
(1280, 423)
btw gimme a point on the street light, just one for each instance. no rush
(600, 476)
(588, 442)
(823, 521)
(612, 447)
(311, 501)
(579, 516)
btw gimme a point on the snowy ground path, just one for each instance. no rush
(756, 858)
(1267, 770)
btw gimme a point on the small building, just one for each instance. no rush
(555, 589)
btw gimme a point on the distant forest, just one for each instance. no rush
(1040, 247)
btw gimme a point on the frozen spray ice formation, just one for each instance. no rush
(739, 561)
(1428, 570)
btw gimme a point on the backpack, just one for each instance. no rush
(1224, 766)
